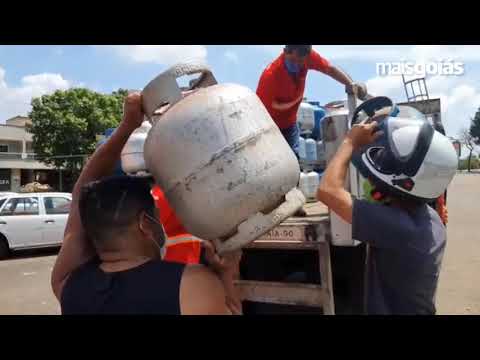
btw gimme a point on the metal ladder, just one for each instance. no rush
(422, 102)
(422, 93)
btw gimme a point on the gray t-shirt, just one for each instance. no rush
(406, 251)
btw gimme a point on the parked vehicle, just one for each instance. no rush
(32, 220)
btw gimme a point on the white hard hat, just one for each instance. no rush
(409, 160)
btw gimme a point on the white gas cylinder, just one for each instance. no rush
(302, 150)
(313, 181)
(302, 184)
(320, 150)
(220, 159)
(132, 153)
(311, 149)
(306, 116)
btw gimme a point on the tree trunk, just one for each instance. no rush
(469, 160)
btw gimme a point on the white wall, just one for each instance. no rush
(14, 133)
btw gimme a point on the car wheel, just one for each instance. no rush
(4, 249)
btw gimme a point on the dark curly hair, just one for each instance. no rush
(108, 206)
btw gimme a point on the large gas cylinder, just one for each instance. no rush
(219, 157)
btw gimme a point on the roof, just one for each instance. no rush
(45, 193)
(18, 120)
(18, 117)
(427, 107)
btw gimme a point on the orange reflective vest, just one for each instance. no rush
(181, 247)
(442, 209)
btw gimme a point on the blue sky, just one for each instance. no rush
(29, 71)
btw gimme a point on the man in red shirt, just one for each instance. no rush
(282, 85)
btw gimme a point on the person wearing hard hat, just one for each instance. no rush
(408, 164)
(282, 84)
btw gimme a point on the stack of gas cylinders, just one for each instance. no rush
(311, 147)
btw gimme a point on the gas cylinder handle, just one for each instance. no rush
(164, 89)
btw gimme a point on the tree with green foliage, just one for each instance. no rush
(475, 128)
(467, 139)
(65, 124)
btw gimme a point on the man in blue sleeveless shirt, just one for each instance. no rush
(111, 257)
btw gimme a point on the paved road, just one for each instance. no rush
(459, 288)
(25, 279)
(25, 282)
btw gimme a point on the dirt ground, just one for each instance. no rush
(25, 278)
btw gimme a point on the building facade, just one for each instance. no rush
(18, 165)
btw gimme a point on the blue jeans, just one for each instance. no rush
(292, 135)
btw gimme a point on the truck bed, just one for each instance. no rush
(266, 285)
(299, 232)
(317, 212)
(333, 275)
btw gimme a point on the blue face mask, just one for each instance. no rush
(292, 68)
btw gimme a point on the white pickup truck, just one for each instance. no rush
(32, 220)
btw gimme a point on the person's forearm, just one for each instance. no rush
(340, 76)
(76, 250)
(331, 190)
(336, 172)
(104, 159)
